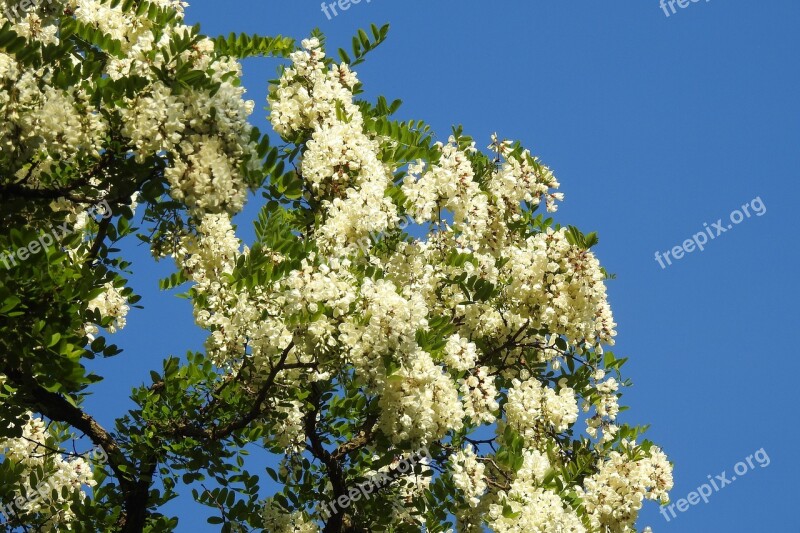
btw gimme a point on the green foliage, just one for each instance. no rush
(362, 44)
(242, 46)
(574, 236)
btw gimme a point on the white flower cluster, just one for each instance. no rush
(449, 185)
(203, 133)
(277, 520)
(289, 431)
(42, 122)
(533, 509)
(114, 22)
(109, 304)
(62, 477)
(420, 403)
(339, 155)
(388, 329)
(561, 288)
(206, 259)
(341, 162)
(534, 408)
(479, 215)
(609, 405)
(460, 354)
(535, 466)
(607, 408)
(468, 472)
(308, 94)
(312, 289)
(522, 178)
(479, 394)
(614, 495)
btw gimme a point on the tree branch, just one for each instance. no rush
(363, 438)
(56, 407)
(216, 433)
(332, 465)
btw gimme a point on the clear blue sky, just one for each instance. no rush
(654, 125)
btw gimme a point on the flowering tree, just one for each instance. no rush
(403, 296)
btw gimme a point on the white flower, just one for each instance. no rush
(110, 304)
(278, 520)
(614, 495)
(479, 396)
(468, 474)
(449, 185)
(532, 405)
(63, 477)
(560, 287)
(420, 403)
(533, 510)
(459, 353)
(389, 327)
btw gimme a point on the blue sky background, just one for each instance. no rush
(654, 125)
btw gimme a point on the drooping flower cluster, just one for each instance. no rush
(449, 186)
(62, 477)
(468, 475)
(341, 162)
(607, 408)
(109, 304)
(41, 122)
(389, 325)
(479, 394)
(533, 408)
(288, 432)
(459, 353)
(560, 287)
(534, 510)
(527, 507)
(311, 289)
(206, 258)
(522, 178)
(614, 495)
(308, 94)
(420, 403)
(278, 520)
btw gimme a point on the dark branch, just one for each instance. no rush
(56, 407)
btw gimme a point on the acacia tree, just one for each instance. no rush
(403, 295)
